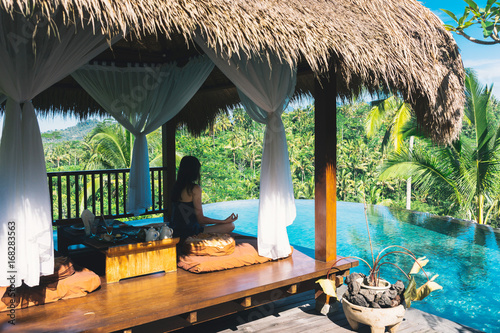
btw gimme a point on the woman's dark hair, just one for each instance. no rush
(188, 176)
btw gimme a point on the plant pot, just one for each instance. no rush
(377, 319)
(383, 285)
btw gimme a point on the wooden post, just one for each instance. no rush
(168, 157)
(325, 169)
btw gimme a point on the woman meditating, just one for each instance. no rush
(187, 212)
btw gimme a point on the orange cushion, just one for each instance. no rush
(244, 254)
(52, 288)
(209, 244)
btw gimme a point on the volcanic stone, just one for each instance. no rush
(353, 277)
(384, 301)
(399, 286)
(359, 300)
(390, 293)
(354, 287)
(369, 295)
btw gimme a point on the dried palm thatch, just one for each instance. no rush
(389, 45)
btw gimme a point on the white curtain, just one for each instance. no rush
(265, 90)
(27, 67)
(142, 99)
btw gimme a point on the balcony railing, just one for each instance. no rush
(103, 192)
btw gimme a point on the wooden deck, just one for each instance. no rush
(168, 301)
(297, 314)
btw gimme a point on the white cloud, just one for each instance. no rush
(488, 72)
(481, 62)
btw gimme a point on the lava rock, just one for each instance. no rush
(399, 287)
(398, 300)
(353, 277)
(369, 295)
(370, 298)
(359, 300)
(391, 293)
(384, 301)
(354, 287)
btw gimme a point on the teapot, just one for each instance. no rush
(152, 234)
(166, 232)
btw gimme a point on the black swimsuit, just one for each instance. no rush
(184, 221)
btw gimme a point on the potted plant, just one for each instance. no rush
(371, 299)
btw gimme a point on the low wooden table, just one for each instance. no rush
(140, 258)
(126, 258)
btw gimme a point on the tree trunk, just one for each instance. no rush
(408, 181)
(480, 205)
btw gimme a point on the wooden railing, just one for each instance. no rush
(103, 192)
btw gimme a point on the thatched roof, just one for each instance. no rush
(393, 45)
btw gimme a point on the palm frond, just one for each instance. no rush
(431, 172)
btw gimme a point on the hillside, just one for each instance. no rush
(73, 133)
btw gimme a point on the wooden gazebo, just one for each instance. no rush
(338, 47)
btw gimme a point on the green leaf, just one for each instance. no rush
(489, 4)
(410, 292)
(450, 14)
(461, 20)
(424, 290)
(466, 25)
(450, 27)
(473, 5)
(487, 28)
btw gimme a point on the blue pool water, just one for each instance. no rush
(466, 257)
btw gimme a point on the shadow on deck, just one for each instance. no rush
(297, 314)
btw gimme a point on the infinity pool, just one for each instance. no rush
(466, 257)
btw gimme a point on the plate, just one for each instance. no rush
(115, 239)
(79, 226)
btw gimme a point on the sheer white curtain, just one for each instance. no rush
(25, 218)
(265, 90)
(142, 99)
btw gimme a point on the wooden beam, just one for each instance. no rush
(292, 289)
(325, 169)
(247, 302)
(168, 151)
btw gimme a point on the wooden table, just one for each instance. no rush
(126, 258)
(141, 258)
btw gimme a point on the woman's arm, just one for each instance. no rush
(202, 219)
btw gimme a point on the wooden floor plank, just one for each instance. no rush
(302, 317)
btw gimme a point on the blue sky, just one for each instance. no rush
(485, 60)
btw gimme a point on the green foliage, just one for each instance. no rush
(392, 112)
(230, 152)
(467, 171)
(110, 145)
(488, 18)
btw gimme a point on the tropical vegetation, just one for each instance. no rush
(459, 180)
(466, 172)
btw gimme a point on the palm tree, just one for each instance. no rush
(394, 111)
(468, 169)
(112, 147)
